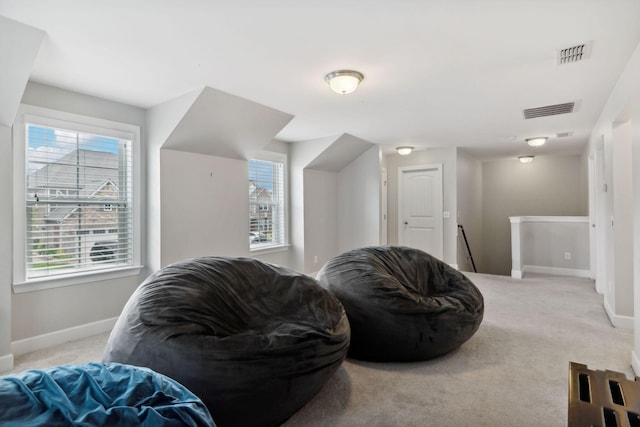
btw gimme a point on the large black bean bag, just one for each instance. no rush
(96, 394)
(254, 341)
(402, 303)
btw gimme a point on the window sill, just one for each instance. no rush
(40, 284)
(270, 249)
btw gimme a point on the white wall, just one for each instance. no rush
(300, 155)
(622, 108)
(161, 120)
(18, 50)
(448, 158)
(205, 208)
(620, 295)
(17, 59)
(41, 312)
(333, 207)
(321, 218)
(359, 202)
(469, 211)
(549, 186)
(6, 252)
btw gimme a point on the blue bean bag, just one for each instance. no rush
(96, 394)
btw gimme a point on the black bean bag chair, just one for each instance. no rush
(402, 303)
(96, 394)
(254, 341)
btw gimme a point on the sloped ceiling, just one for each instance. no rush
(437, 73)
(340, 153)
(21, 56)
(225, 125)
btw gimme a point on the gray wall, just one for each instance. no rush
(544, 243)
(39, 312)
(549, 186)
(470, 211)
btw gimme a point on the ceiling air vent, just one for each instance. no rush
(549, 110)
(563, 134)
(575, 53)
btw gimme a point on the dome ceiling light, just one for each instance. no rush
(404, 150)
(344, 81)
(525, 159)
(537, 141)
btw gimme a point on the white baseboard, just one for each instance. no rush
(516, 274)
(51, 339)
(454, 266)
(6, 363)
(622, 322)
(635, 363)
(555, 271)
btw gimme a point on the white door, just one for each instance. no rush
(420, 208)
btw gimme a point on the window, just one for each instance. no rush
(267, 196)
(74, 204)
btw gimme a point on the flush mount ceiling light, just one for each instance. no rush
(525, 159)
(537, 141)
(344, 81)
(404, 150)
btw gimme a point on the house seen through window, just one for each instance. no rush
(78, 201)
(267, 195)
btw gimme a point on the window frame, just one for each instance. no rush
(80, 123)
(274, 157)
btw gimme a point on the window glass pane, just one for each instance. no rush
(266, 204)
(78, 202)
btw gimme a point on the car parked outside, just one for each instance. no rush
(257, 237)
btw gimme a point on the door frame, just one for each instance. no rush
(401, 171)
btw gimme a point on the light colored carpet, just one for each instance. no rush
(512, 372)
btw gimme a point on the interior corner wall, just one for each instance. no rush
(621, 297)
(298, 159)
(609, 243)
(548, 186)
(321, 218)
(41, 312)
(6, 230)
(448, 158)
(205, 208)
(623, 105)
(162, 120)
(359, 202)
(584, 171)
(469, 211)
(635, 165)
(301, 154)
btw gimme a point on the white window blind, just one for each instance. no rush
(267, 209)
(78, 201)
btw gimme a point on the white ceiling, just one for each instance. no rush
(437, 72)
